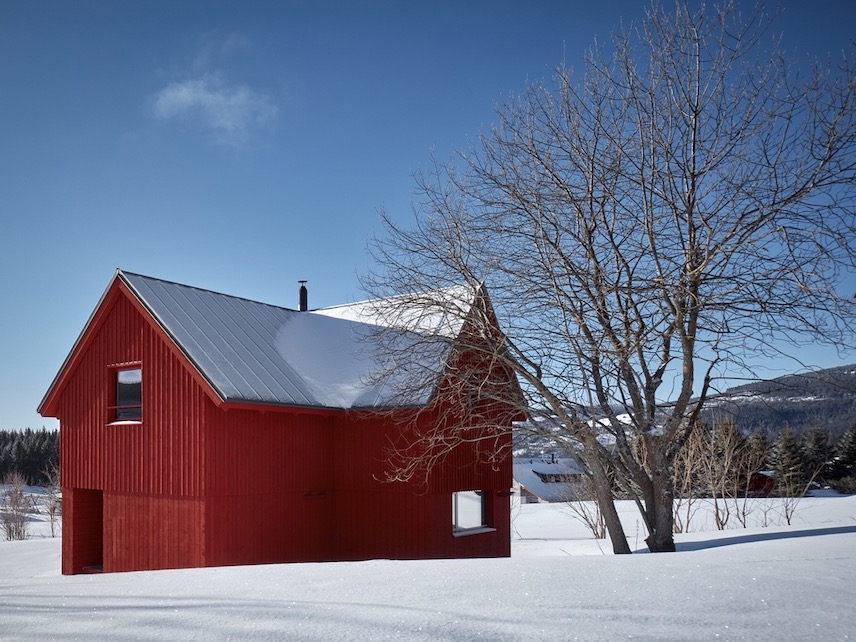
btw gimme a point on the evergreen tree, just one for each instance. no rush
(29, 453)
(817, 454)
(844, 461)
(758, 449)
(28, 458)
(786, 462)
(5, 458)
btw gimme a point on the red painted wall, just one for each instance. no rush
(310, 487)
(266, 486)
(193, 484)
(162, 455)
(150, 532)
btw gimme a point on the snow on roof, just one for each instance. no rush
(255, 352)
(623, 419)
(532, 474)
(442, 311)
(343, 366)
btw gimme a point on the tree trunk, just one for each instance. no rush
(603, 493)
(660, 510)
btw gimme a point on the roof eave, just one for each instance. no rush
(269, 406)
(47, 406)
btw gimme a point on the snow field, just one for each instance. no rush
(780, 583)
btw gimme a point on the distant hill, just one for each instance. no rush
(825, 398)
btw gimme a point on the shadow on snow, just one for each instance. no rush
(761, 537)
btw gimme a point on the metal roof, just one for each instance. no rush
(530, 474)
(260, 353)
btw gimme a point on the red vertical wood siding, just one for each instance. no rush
(408, 521)
(290, 486)
(159, 455)
(152, 532)
(268, 486)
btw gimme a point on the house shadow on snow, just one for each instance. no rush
(685, 547)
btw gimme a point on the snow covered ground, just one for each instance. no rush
(778, 583)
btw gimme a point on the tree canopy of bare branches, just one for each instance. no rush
(677, 211)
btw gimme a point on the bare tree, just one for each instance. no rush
(579, 498)
(682, 208)
(748, 469)
(719, 464)
(53, 496)
(688, 470)
(723, 464)
(14, 507)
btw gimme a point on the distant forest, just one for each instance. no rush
(32, 453)
(824, 399)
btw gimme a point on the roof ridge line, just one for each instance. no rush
(122, 273)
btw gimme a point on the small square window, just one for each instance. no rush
(129, 394)
(469, 510)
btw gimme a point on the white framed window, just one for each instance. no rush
(128, 394)
(469, 512)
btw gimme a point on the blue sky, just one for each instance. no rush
(243, 146)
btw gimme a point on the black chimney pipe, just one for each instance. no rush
(302, 297)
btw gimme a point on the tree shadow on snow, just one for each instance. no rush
(761, 537)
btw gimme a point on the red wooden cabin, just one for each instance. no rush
(199, 429)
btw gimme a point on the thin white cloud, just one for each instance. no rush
(235, 42)
(233, 114)
(213, 48)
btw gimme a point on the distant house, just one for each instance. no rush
(553, 479)
(200, 429)
(761, 484)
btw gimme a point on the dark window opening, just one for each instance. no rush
(129, 394)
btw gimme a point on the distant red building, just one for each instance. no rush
(200, 429)
(761, 484)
